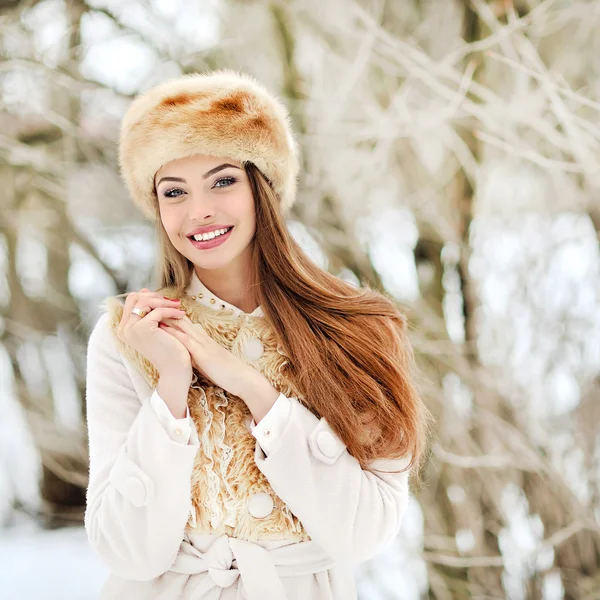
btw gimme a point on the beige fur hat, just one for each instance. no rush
(220, 113)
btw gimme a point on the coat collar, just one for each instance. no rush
(201, 294)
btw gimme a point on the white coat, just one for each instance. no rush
(138, 501)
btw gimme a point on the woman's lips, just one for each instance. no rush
(205, 245)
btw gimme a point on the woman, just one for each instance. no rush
(252, 423)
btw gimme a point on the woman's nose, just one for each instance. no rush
(202, 208)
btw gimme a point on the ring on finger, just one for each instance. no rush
(140, 311)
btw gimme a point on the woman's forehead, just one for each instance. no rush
(195, 163)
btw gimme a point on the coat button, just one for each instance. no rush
(134, 489)
(253, 348)
(327, 443)
(260, 505)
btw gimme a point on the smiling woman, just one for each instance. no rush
(211, 196)
(253, 420)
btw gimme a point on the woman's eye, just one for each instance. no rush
(228, 181)
(170, 194)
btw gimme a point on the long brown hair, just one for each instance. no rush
(348, 347)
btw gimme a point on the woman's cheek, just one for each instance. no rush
(171, 228)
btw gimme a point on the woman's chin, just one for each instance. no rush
(218, 260)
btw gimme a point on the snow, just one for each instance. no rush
(48, 564)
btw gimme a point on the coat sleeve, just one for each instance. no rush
(139, 490)
(180, 430)
(350, 512)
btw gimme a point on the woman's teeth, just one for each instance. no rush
(203, 237)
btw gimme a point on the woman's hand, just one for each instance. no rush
(215, 362)
(222, 367)
(165, 352)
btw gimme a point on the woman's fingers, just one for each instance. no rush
(147, 301)
(162, 312)
(156, 302)
(140, 332)
(195, 331)
(168, 326)
(184, 324)
(133, 299)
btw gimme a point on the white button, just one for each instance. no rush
(327, 443)
(134, 490)
(178, 432)
(253, 348)
(260, 505)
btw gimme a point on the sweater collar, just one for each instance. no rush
(201, 294)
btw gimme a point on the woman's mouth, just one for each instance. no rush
(216, 238)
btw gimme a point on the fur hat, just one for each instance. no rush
(219, 113)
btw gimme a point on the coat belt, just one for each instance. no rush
(259, 569)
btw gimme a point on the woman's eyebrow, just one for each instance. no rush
(217, 169)
(180, 179)
(205, 176)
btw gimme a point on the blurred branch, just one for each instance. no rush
(481, 461)
(463, 562)
(147, 40)
(546, 80)
(536, 157)
(73, 82)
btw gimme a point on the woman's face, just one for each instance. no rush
(206, 194)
